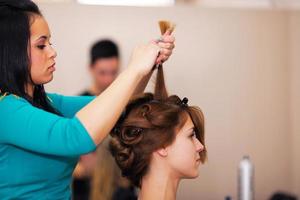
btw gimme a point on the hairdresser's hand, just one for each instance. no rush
(143, 58)
(166, 44)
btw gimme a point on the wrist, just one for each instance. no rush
(135, 72)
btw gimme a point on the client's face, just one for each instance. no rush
(183, 153)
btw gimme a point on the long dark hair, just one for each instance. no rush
(15, 19)
(150, 122)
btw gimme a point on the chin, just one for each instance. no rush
(195, 175)
(43, 79)
(49, 79)
(192, 174)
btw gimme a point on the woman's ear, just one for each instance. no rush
(163, 152)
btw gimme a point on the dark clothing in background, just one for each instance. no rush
(86, 93)
(283, 196)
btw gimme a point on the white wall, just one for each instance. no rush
(234, 64)
(294, 42)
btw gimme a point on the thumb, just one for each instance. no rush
(168, 32)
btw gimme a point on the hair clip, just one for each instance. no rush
(184, 102)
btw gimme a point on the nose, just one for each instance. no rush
(199, 146)
(52, 52)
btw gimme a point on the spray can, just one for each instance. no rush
(246, 179)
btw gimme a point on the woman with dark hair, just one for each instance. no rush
(158, 141)
(42, 135)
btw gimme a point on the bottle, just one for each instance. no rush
(228, 198)
(246, 179)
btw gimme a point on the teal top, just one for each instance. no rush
(39, 150)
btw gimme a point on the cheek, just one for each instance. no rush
(38, 72)
(109, 79)
(36, 59)
(183, 156)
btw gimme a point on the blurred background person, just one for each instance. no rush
(104, 66)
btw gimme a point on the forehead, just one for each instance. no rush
(188, 124)
(38, 27)
(111, 62)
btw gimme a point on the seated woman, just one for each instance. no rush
(158, 141)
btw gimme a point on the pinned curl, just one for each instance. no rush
(131, 135)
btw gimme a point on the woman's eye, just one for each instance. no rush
(41, 46)
(193, 134)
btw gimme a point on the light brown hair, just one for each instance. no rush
(150, 122)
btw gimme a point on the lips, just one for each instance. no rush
(52, 67)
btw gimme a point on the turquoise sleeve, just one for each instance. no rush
(68, 106)
(33, 129)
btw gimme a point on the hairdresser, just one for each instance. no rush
(41, 134)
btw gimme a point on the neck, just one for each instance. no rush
(29, 89)
(96, 90)
(159, 184)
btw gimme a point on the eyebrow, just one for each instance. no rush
(44, 37)
(192, 128)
